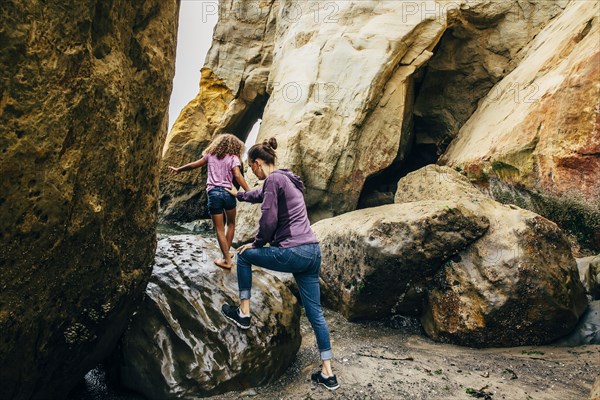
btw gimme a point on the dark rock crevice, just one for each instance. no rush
(241, 123)
(379, 188)
(466, 64)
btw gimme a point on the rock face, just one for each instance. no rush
(179, 345)
(85, 89)
(481, 46)
(336, 84)
(376, 260)
(341, 91)
(535, 139)
(516, 285)
(232, 96)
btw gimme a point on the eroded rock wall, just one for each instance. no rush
(535, 138)
(85, 89)
(482, 45)
(336, 84)
(232, 95)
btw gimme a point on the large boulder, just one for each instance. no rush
(374, 260)
(180, 345)
(534, 141)
(517, 285)
(85, 92)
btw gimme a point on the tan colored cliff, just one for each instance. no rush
(340, 83)
(232, 95)
(535, 138)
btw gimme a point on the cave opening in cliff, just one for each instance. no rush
(413, 154)
(445, 93)
(245, 124)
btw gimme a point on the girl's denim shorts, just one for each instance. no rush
(219, 199)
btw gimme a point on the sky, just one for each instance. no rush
(197, 19)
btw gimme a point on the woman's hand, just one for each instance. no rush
(174, 170)
(233, 191)
(243, 248)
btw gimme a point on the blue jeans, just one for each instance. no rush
(305, 263)
(219, 199)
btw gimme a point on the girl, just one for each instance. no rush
(293, 248)
(223, 158)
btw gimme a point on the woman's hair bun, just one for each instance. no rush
(272, 143)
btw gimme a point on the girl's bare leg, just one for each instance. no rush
(230, 232)
(221, 238)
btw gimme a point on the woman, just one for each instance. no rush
(293, 248)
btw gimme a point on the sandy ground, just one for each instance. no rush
(378, 361)
(375, 361)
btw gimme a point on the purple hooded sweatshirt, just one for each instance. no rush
(284, 221)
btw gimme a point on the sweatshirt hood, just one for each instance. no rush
(293, 177)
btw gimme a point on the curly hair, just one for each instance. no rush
(225, 144)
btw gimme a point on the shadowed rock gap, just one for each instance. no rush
(241, 124)
(380, 187)
(446, 92)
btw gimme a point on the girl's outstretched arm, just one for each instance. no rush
(193, 165)
(237, 174)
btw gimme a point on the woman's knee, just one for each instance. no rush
(242, 259)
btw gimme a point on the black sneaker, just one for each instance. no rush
(330, 383)
(233, 314)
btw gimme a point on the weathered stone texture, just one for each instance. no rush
(84, 92)
(179, 344)
(376, 260)
(483, 44)
(535, 138)
(516, 285)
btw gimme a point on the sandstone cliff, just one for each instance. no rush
(85, 88)
(357, 93)
(232, 96)
(535, 138)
